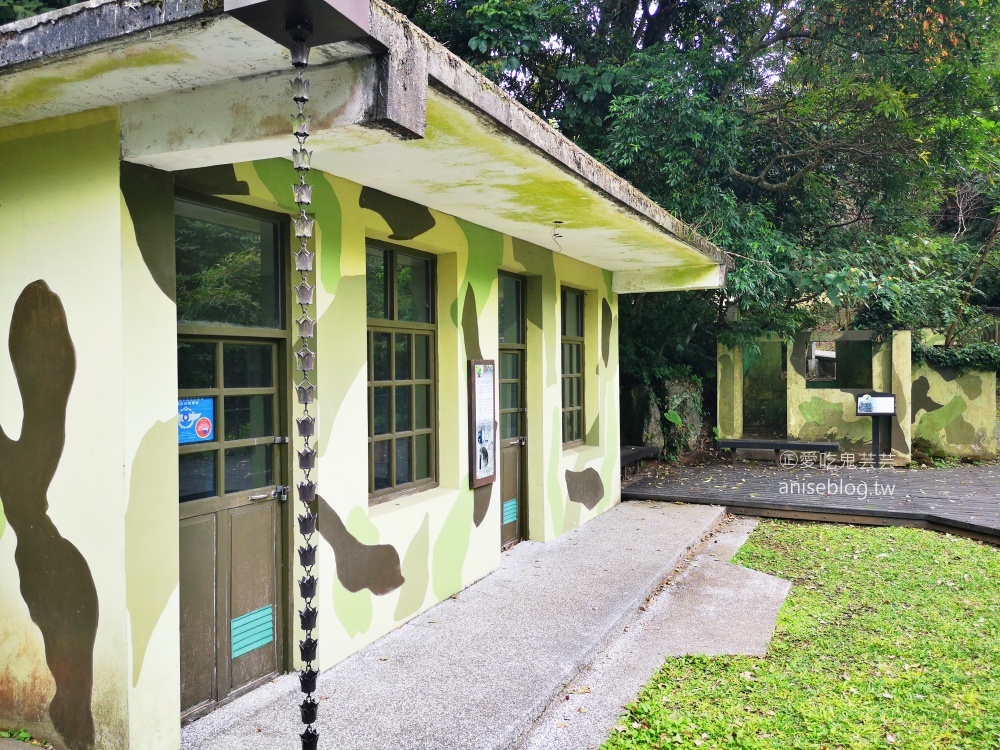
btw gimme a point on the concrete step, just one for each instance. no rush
(709, 606)
(475, 672)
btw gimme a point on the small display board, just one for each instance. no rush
(482, 422)
(195, 420)
(876, 405)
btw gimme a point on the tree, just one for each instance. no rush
(829, 146)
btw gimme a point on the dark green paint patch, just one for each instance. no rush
(585, 487)
(406, 219)
(55, 580)
(607, 323)
(470, 325)
(359, 566)
(149, 197)
(278, 176)
(531, 257)
(960, 431)
(481, 497)
(921, 399)
(971, 385)
(217, 180)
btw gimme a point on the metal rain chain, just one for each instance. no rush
(305, 390)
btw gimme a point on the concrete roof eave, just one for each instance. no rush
(401, 114)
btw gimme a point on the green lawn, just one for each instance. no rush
(890, 638)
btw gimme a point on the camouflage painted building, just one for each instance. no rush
(146, 566)
(806, 390)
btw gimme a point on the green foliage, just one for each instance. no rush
(14, 10)
(845, 155)
(889, 637)
(980, 356)
(673, 417)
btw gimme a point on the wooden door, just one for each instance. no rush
(231, 490)
(513, 411)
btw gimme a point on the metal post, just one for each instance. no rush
(876, 450)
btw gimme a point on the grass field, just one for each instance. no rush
(890, 638)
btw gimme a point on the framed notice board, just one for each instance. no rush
(482, 422)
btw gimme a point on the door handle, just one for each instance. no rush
(276, 492)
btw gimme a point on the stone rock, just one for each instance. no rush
(684, 397)
(642, 422)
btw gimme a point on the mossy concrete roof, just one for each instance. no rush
(400, 113)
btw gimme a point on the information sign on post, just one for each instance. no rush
(482, 422)
(876, 406)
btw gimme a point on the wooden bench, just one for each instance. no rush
(634, 454)
(732, 444)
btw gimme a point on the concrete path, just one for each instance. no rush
(963, 500)
(475, 672)
(710, 607)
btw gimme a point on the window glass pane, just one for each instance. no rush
(403, 469)
(197, 475)
(413, 287)
(403, 398)
(422, 460)
(249, 468)
(508, 396)
(567, 429)
(380, 464)
(380, 356)
(381, 406)
(511, 329)
(577, 425)
(228, 270)
(508, 425)
(195, 365)
(403, 369)
(572, 312)
(422, 357)
(377, 283)
(509, 369)
(247, 365)
(421, 407)
(249, 417)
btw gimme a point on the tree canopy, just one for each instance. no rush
(846, 154)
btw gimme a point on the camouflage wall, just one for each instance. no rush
(423, 548)
(89, 619)
(88, 474)
(955, 413)
(822, 410)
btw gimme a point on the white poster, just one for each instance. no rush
(484, 454)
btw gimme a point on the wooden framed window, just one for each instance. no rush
(402, 408)
(572, 366)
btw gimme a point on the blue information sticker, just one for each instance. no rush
(196, 423)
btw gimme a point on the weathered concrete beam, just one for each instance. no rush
(670, 279)
(53, 35)
(243, 120)
(402, 87)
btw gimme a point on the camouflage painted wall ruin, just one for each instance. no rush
(955, 413)
(89, 618)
